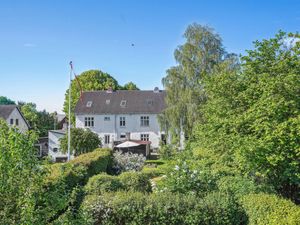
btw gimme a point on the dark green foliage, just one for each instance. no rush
(167, 152)
(168, 208)
(103, 183)
(82, 141)
(6, 101)
(270, 209)
(136, 181)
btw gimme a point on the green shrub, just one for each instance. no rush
(102, 183)
(169, 208)
(152, 172)
(240, 186)
(65, 177)
(270, 209)
(136, 181)
(167, 152)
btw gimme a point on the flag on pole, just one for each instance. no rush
(77, 81)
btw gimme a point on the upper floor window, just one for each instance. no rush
(106, 118)
(11, 121)
(144, 137)
(17, 122)
(144, 121)
(89, 121)
(122, 121)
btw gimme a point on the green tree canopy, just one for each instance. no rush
(6, 101)
(252, 116)
(40, 121)
(184, 85)
(130, 86)
(82, 141)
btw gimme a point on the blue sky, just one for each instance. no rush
(39, 38)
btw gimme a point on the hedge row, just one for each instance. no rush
(164, 208)
(127, 181)
(65, 180)
(270, 209)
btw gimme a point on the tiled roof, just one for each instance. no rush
(6, 110)
(121, 102)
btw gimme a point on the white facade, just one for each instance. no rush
(55, 152)
(110, 127)
(17, 120)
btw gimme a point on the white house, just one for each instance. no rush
(14, 117)
(122, 114)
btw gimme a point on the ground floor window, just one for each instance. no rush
(106, 139)
(145, 137)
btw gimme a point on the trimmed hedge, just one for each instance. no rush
(164, 208)
(134, 181)
(270, 209)
(65, 177)
(102, 183)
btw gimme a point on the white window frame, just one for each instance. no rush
(122, 121)
(144, 137)
(106, 139)
(89, 121)
(107, 118)
(145, 121)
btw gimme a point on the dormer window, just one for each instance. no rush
(123, 103)
(89, 104)
(149, 102)
(107, 101)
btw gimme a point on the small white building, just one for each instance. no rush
(122, 114)
(54, 150)
(14, 117)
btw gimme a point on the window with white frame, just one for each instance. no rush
(106, 118)
(89, 121)
(89, 104)
(122, 121)
(17, 122)
(144, 137)
(106, 139)
(122, 136)
(11, 121)
(144, 121)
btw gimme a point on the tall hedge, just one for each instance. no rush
(65, 180)
(164, 208)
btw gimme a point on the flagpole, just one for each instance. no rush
(69, 122)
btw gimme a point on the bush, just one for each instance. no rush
(152, 172)
(270, 209)
(187, 178)
(169, 208)
(127, 162)
(240, 186)
(102, 183)
(65, 177)
(136, 181)
(166, 152)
